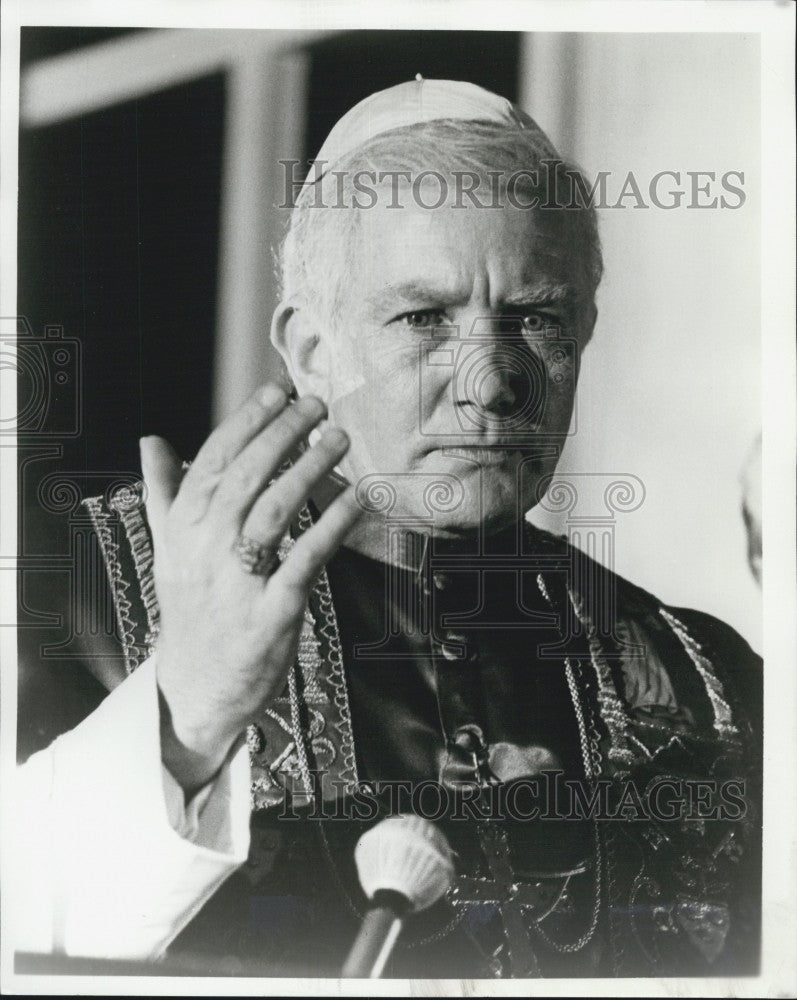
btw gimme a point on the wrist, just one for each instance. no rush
(194, 753)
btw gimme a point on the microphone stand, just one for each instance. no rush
(380, 929)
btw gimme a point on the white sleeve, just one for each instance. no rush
(101, 867)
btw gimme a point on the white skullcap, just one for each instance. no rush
(413, 103)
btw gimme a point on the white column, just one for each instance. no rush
(266, 97)
(550, 84)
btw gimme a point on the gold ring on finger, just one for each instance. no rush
(256, 558)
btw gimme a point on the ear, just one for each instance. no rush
(296, 334)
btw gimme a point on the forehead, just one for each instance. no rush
(501, 249)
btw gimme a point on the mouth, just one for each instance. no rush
(484, 455)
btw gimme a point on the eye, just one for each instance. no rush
(423, 319)
(537, 322)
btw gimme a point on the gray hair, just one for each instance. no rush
(317, 247)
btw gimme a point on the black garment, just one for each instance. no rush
(442, 668)
(500, 665)
(428, 659)
(459, 675)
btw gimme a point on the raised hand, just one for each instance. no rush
(230, 613)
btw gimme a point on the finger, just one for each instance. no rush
(162, 471)
(227, 441)
(248, 475)
(317, 545)
(273, 511)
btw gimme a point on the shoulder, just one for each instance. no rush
(712, 647)
(738, 666)
(677, 653)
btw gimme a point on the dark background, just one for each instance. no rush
(118, 244)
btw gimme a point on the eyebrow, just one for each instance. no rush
(410, 291)
(540, 292)
(544, 291)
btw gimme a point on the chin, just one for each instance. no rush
(467, 526)
(480, 512)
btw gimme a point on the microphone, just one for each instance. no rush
(404, 864)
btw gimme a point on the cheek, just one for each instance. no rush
(391, 387)
(381, 419)
(561, 375)
(346, 374)
(558, 410)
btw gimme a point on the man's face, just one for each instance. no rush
(457, 359)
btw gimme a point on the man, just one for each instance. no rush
(346, 606)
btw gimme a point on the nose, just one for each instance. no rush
(493, 377)
(496, 385)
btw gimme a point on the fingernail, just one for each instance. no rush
(336, 438)
(312, 406)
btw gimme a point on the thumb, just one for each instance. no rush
(162, 471)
